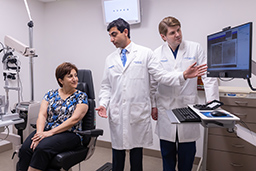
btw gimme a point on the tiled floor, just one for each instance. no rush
(100, 157)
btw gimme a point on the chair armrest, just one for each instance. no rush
(91, 133)
(87, 133)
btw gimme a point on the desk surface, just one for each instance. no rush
(230, 116)
(207, 121)
(227, 89)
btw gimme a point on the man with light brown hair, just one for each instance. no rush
(175, 55)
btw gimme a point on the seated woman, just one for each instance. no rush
(58, 120)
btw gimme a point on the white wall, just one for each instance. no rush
(73, 30)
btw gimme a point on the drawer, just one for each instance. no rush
(224, 132)
(230, 144)
(242, 102)
(225, 161)
(246, 114)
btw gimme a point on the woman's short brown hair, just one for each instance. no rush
(64, 69)
(167, 22)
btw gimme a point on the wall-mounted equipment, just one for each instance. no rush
(129, 10)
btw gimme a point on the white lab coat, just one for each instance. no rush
(175, 97)
(125, 92)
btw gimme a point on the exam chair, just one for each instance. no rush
(68, 159)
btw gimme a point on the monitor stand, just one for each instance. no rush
(253, 71)
(253, 67)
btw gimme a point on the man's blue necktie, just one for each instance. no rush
(123, 56)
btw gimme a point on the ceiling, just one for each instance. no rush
(47, 0)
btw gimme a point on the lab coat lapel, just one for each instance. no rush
(181, 52)
(131, 57)
(118, 61)
(168, 55)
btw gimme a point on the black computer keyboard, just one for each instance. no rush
(186, 115)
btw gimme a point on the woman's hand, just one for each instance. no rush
(39, 136)
(35, 140)
(34, 145)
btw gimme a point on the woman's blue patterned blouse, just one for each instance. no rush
(60, 110)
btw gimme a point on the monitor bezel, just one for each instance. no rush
(237, 73)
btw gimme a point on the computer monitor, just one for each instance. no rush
(229, 52)
(129, 10)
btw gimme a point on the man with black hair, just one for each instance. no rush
(125, 92)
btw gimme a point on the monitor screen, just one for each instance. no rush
(129, 10)
(229, 52)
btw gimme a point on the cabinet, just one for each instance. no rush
(225, 150)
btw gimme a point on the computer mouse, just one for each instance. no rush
(218, 113)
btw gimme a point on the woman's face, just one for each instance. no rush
(70, 80)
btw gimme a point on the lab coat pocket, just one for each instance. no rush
(114, 114)
(187, 61)
(192, 99)
(137, 72)
(164, 102)
(166, 91)
(139, 113)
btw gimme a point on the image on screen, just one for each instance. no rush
(229, 52)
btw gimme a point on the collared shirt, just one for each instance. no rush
(175, 52)
(128, 48)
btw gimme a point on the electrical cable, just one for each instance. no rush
(21, 90)
(226, 79)
(243, 123)
(8, 132)
(248, 81)
(2, 47)
(250, 85)
(21, 87)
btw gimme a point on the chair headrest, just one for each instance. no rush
(83, 87)
(85, 82)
